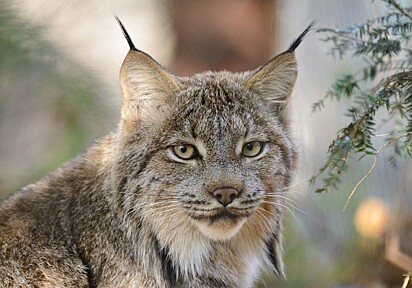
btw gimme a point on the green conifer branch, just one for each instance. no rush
(383, 43)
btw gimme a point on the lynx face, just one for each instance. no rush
(215, 146)
(223, 150)
(206, 160)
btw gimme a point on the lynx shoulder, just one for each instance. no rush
(187, 192)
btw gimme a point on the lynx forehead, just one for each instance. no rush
(187, 192)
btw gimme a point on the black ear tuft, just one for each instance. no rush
(298, 40)
(126, 35)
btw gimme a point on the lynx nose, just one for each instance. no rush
(225, 195)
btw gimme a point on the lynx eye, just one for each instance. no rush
(252, 149)
(184, 151)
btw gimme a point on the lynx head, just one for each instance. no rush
(209, 155)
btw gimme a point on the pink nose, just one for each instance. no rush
(225, 195)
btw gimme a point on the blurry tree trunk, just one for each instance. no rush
(234, 35)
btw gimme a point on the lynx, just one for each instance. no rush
(187, 192)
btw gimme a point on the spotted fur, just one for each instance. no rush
(130, 213)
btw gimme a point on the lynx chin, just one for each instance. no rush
(187, 192)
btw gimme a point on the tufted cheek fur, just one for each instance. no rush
(217, 114)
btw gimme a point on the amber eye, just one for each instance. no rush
(252, 149)
(184, 151)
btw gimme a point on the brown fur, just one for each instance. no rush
(130, 213)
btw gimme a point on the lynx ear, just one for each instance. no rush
(275, 80)
(146, 86)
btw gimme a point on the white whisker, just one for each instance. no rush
(282, 197)
(260, 215)
(263, 211)
(291, 205)
(284, 206)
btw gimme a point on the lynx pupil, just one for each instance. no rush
(183, 148)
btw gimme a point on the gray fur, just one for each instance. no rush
(128, 213)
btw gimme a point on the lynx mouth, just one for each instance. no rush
(217, 214)
(221, 224)
(223, 214)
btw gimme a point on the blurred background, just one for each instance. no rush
(59, 90)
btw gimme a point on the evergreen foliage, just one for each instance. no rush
(383, 84)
